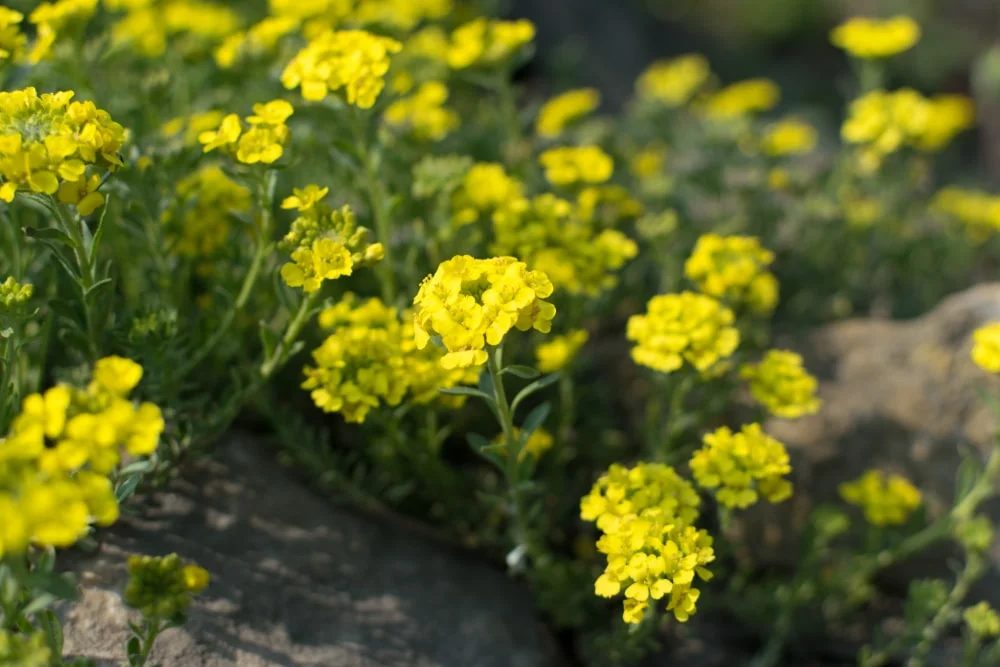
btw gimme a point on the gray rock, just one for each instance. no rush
(297, 582)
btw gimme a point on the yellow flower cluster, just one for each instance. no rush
(161, 587)
(54, 19)
(258, 40)
(559, 352)
(12, 40)
(734, 268)
(546, 233)
(55, 460)
(353, 60)
(948, 116)
(324, 244)
(200, 216)
(782, 384)
(370, 358)
(577, 164)
(483, 43)
(790, 136)
(53, 145)
(685, 327)
(13, 293)
(979, 211)
(562, 110)
(982, 620)
(869, 38)
(147, 25)
(742, 98)
(424, 112)
(887, 500)
(674, 82)
(741, 467)
(986, 347)
(262, 142)
(653, 550)
(471, 303)
(539, 442)
(485, 188)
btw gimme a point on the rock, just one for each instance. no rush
(899, 396)
(298, 582)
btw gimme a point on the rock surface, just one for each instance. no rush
(297, 582)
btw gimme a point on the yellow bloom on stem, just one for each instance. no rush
(986, 347)
(982, 620)
(782, 385)
(742, 98)
(790, 136)
(13, 293)
(683, 328)
(741, 467)
(482, 42)
(264, 140)
(161, 587)
(674, 82)
(949, 115)
(305, 198)
(870, 38)
(485, 188)
(53, 20)
(557, 354)
(886, 121)
(733, 268)
(577, 164)
(979, 211)
(12, 40)
(424, 112)
(885, 499)
(562, 110)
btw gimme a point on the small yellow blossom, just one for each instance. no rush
(582, 164)
(982, 620)
(485, 188)
(12, 40)
(260, 39)
(790, 136)
(869, 38)
(262, 142)
(949, 115)
(741, 467)
(482, 42)
(674, 82)
(986, 347)
(734, 268)
(53, 20)
(161, 587)
(885, 499)
(424, 112)
(562, 110)
(979, 211)
(782, 385)
(884, 121)
(13, 293)
(557, 354)
(742, 98)
(648, 162)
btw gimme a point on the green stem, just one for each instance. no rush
(380, 216)
(281, 351)
(948, 612)
(148, 641)
(73, 226)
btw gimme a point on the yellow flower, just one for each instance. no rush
(260, 39)
(885, 499)
(869, 38)
(679, 328)
(483, 42)
(305, 198)
(674, 82)
(560, 351)
(789, 137)
(578, 164)
(13, 293)
(263, 142)
(424, 112)
(115, 375)
(54, 20)
(12, 40)
(949, 116)
(326, 259)
(485, 188)
(353, 60)
(782, 385)
(740, 99)
(733, 268)
(648, 162)
(471, 303)
(560, 111)
(196, 578)
(982, 620)
(161, 587)
(986, 347)
(741, 467)
(884, 122)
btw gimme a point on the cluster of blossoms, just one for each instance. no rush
(646, 516)
(353, 60)
(12, 40)
(53, 145)
(258, 40)
(679, 328)
(471, 303)
(741, 467)
(782, 385)
(424, 112)
(201, 213)
(370, 358)
(262, 142)
(560, 351)
(869, 38)
(485, 188)
(789, 136)
(886, 500)
(14, 294)
(549, 236)
(982, 620)
(324, 243)
(539, 442)
(52, 20)
(742, 98)
(978, 211)
(577, 164)
(563, 110)
(986, 347)
(55, 460)
(148, 24)
(483, 43)
(674, 82)
(24, 650)
(161, 587)
(734, 269)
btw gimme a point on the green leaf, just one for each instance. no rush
(535, 386)
(523, 372)
(535, 419)
(40, 603)
(483, 448)
(466, 391)
(126, 488)
(968, 473)
(61, 586)
(134, 649)
(95, 242)
(51, 235)
(486, 383)
(96, 288)
(52, 628)
(267, 339)
(137, 467)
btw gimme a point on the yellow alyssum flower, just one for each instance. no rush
(562, 110)
(742, 98)
(576, 164)
(486, 42)
(979, 211)
(646, 514)
(324, 243)
(485, 188)
(887, 500)
(734, 268)
(13, 293)
(986, 347)
(262, 141)
(741, 467)
(679, 328)
(424, 112)
(549, 235)
(258, 40)
(142, 30)
(471, 303)
(884, 121)
(161, 587)
(870, 38)
(53, 20)
(559, 352)
(982, 620)
(404, 15)
(948, 116)
(430, 43)
(674, 82)
(782, 385)
(199, 218)
(355, 61)
(12, 40)
(48, 141)
(648, 162)
(790, 136)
